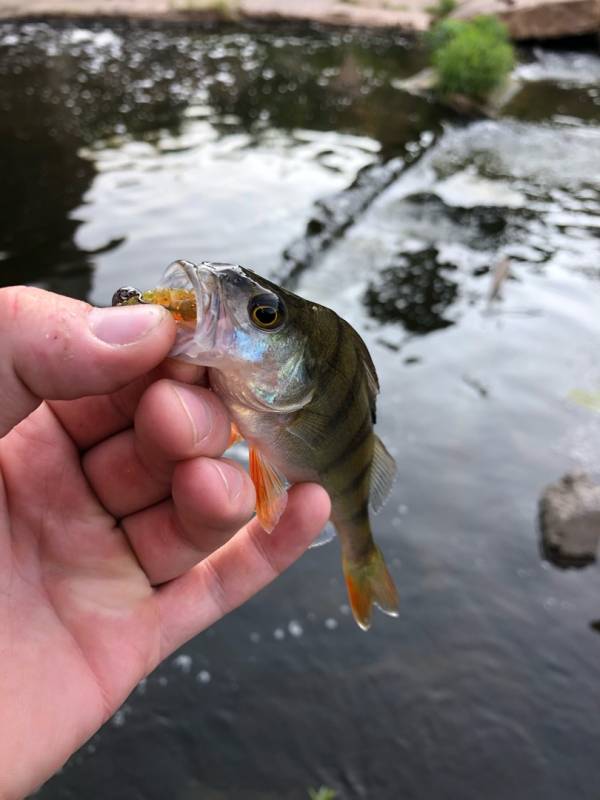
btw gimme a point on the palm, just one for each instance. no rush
(89, 606)
(79, 613)
(122, 529)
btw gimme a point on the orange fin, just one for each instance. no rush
(234, 436)
(271, 491)
(369, 583)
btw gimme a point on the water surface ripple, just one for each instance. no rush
(123, 148)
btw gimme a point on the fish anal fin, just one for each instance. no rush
(383, 473)
(234, 436)
(326, 536)
(369, 583)
(271, 490)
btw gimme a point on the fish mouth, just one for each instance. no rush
(193, 343)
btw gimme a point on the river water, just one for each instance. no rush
(296, 152)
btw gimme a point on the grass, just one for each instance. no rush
(441, 9)
(322, 794)
(229, 9)
(470, 58)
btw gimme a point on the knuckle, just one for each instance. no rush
(12, 299)
(215, 586)
(265, 556)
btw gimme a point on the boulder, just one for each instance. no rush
(570, 521)
(538, 19)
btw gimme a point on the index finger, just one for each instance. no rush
(90, 420)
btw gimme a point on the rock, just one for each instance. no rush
(406, 15)
(538, 19)
(570, 521)
(423, 84)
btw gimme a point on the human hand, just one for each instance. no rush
(121, 529)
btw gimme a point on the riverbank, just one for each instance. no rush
(407, 15)
(525, 19)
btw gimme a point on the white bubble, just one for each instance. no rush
(120, 716)
(295, 628)
(279, 634)
(203, 676)
(255, 637)
(184, 663)
(331, 623)
(344, 609)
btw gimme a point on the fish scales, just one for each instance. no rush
(300, 386)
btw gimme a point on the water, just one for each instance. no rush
(122, 149)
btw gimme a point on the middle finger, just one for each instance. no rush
(173, 422)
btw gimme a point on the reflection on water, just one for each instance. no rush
(228, 121)
(416, 290)
(124, 148)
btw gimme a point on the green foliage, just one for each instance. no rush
(471, 58)
(322, 794)
(442, 8)
(228, 9)
(443, 32)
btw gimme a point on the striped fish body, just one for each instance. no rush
(301, 388)
(331, 440)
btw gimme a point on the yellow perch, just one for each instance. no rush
(300, 386)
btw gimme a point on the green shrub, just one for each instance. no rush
(442, 32)
(441, 9)
(470, 58)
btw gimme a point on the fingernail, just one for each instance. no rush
(124, 325)
(232, 478)
(198, 412)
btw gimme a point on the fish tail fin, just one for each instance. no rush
(369, 583)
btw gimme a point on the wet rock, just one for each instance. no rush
(570, 521)
(424, 84)
(416, 290)
(538, 19)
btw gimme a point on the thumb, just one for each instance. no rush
(55, 348)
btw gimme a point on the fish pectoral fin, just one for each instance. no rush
(311, 428)
(383, 473)
(234, 436)
(271, 490)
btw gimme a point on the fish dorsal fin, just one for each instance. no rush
(371, 372)
(383, 473)
(271, 490)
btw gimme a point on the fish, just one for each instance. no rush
(300, 387)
